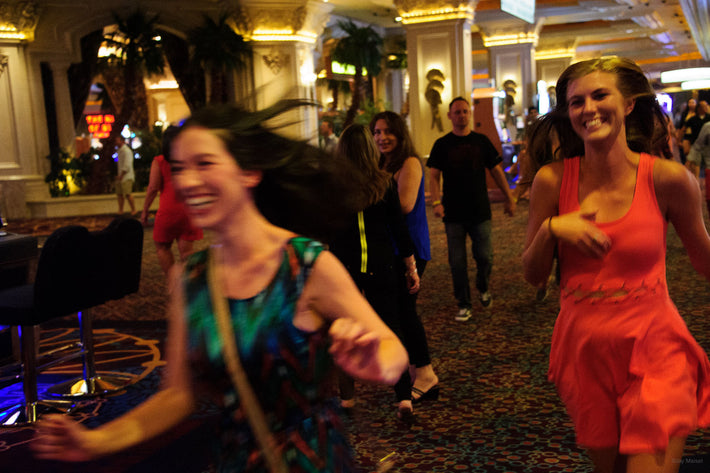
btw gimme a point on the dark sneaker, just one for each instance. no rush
(463, 314)
(486, 299)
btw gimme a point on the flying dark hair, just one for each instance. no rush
(303, 188)
(646, 130)
(405, 146)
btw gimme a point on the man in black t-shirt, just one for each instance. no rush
(461, 159)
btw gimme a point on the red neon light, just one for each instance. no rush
(100, 125)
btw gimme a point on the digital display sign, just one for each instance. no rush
(523, 9)
(100, 126)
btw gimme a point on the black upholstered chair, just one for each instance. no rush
(113, 270)
(76, 270)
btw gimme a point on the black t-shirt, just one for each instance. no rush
(463, 161)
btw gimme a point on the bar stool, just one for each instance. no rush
(114, 271)
(55, 293)
(76, 271)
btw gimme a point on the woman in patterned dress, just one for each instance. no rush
(293, 306)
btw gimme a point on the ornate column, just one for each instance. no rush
(283, 36)
(20, 174)
(439, 62)
(18, 20)
(62, 102)
(512, 58)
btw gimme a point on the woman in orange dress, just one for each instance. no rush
(633, 379)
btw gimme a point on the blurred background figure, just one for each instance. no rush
(125, 177)
(171, 221)
(328, 139)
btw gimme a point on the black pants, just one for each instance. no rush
(413, 333)
(380, 290)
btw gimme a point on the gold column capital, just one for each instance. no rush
(279, 20)
(18, 20)
(424, 11)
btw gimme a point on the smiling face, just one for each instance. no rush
(208, 179)
(597, 109)
(385, 138)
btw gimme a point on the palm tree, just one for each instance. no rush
(362, 48)
(335, 87)
(219, 50)
(137, 54)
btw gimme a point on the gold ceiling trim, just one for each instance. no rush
(426, 11)
(509, 39)
(18, 21)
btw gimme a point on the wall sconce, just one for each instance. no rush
(435, 86)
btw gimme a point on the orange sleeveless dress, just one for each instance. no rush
(622, 359)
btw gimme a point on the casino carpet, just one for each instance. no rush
(496, 411)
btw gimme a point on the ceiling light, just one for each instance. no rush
(695, 84)
(690, 74)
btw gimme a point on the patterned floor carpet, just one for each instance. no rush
(496, 412)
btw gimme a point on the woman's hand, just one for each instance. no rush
(578, 229)
(59, 437)
(412, 281)
(353, 347)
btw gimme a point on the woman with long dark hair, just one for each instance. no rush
(399, 158)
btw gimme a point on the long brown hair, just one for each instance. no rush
(404, 148)
(357, 146)
(646, 130)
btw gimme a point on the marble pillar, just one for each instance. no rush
(283, 38)
(439, 63)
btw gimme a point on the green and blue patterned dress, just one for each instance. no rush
(290, 370)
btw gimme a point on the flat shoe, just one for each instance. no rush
(430, 394)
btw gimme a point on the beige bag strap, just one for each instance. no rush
(250, 405)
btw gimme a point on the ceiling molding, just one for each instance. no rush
(697, 14)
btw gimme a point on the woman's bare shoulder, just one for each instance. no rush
(673, 180)
(550, 173)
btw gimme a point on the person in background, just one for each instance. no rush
(698, 157)
(399, 158)
(125, 176)
(634, 380)
(293, 308)
(524, 178)
(687, 111)
(328, 139)
(459, 160)
(693, 124)
(531, 119)
(171, 220)
(366, 249)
